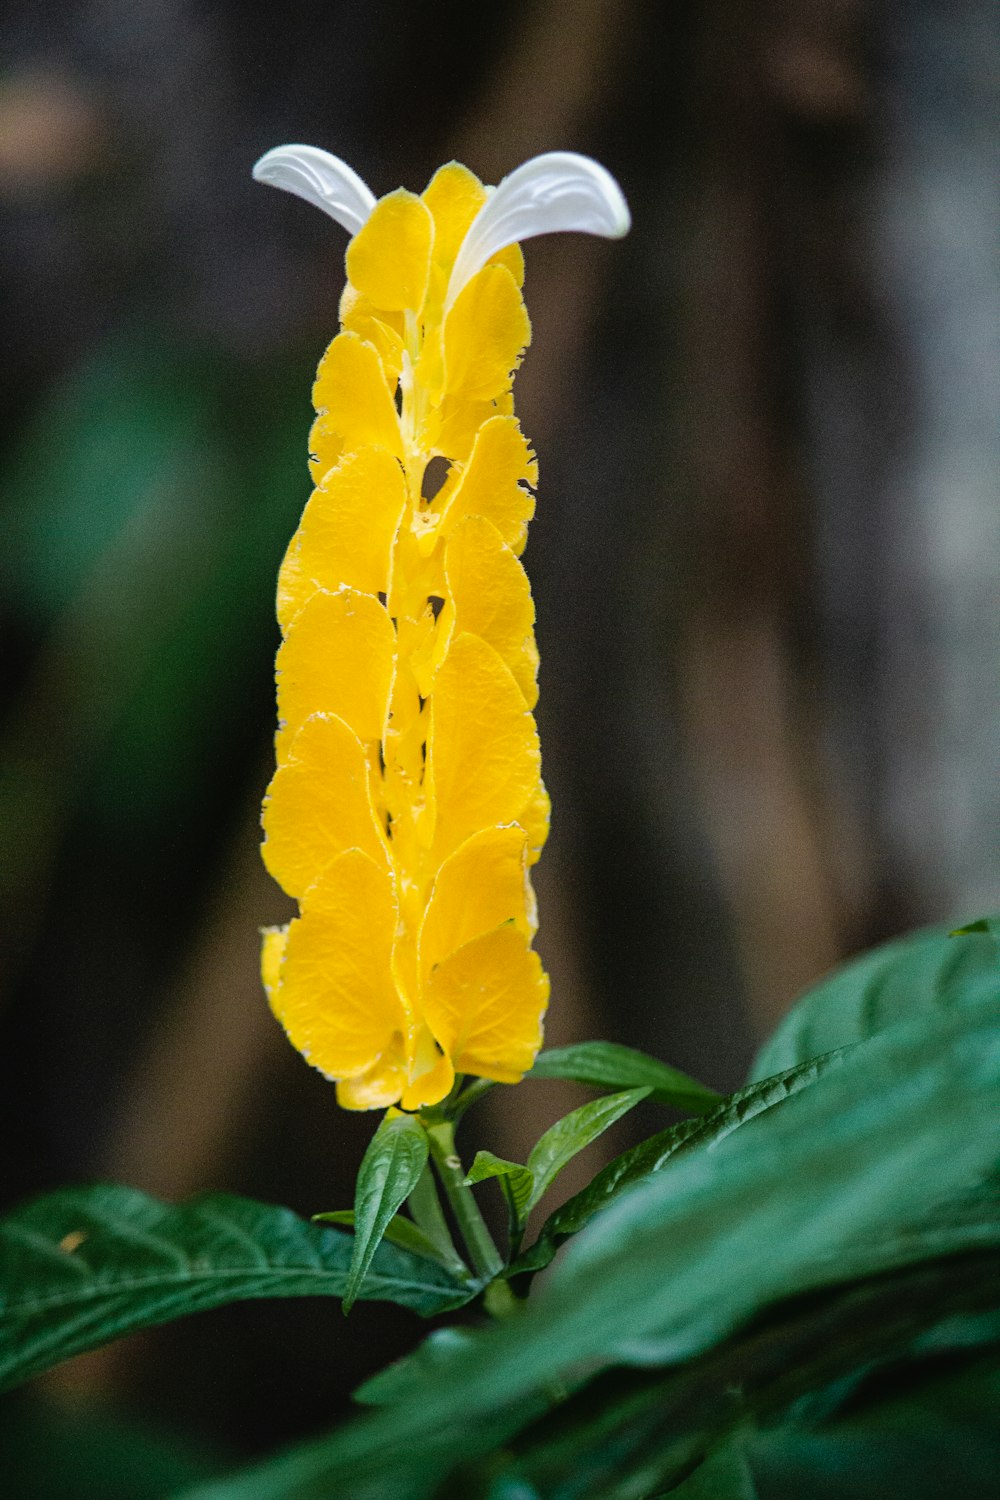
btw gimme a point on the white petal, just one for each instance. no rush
(321, 179)
(557, 191)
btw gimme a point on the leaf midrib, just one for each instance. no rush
(126, 1284)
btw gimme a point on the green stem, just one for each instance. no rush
(484, 1253)
(475, 1091)
(425, 1206)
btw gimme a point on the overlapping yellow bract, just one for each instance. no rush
(407, 804)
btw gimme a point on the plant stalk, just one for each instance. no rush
(475, 1090)
(484, 1254)
(425, 1206)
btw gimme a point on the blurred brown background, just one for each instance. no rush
(765, 558)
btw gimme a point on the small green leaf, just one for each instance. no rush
(606, 1065)
(399, 1231)
(390, 1170)
(982, 925)
(516, 1181)
(568, 1136)
(86, 1265)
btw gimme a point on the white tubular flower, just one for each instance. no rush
(559, 191)
(321, 179)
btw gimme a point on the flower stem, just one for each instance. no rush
(475, 1090)
(425, 1206)
(484, 1253)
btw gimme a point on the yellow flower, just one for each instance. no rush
(407, 804)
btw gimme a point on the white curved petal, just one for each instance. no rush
(321, 179)
(558, 191)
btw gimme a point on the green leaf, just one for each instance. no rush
(83, 1266)
(858, 1173)
(724, 1475)
(927, 973)
(517, 1182)
(399, 1231)
(652, 1155)
(513, 1487)
(628, 1435)
(606, 1065)
(390, 1170)
(918, 1437)
(570, 1135)
(406, 1377)
(884, 1164)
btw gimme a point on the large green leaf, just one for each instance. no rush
(83, 1266)
(390, 1170)
(607, 1065)
(872, 1170)
(652, 1155)
(405, 1377)
(724, 1475)
(933, 1432)
(928, 972)
(808, 1365)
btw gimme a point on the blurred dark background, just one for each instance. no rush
(765, 559)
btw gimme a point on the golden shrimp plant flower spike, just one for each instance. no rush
(407, 805)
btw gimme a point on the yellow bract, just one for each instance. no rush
(337, 657)
(347, 532)
(454, 196)
(319, 804)
(485, 1004)
(389, 260)
(489, 596)
(479, 887)
(492, 483)
(407, 805)
(483, 759)
(335, 994)
(354, 405)
(485, 334)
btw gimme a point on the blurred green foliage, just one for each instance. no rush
(47, 1451)
(146, 510)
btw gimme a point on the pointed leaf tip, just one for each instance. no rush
(319, 178)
